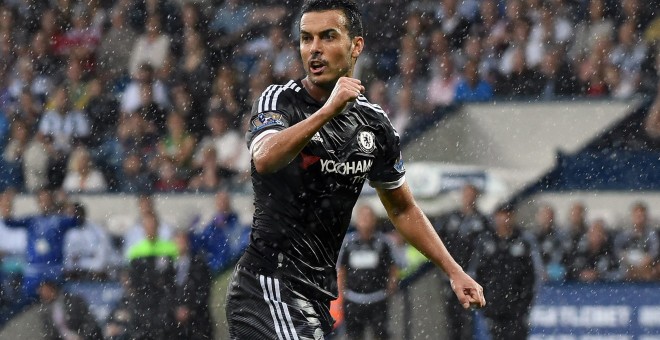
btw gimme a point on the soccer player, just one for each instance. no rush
(313, 143)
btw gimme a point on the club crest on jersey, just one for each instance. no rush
(366, 141)
(263, 120)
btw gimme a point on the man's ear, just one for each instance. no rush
(358, 45)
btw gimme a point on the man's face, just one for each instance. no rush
(469, 198)
(326, 49)
(639, 217)
(366, 221)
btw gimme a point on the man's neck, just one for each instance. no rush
(317, 92)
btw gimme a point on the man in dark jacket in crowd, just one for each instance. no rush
(193, 292)
(461, 230)
(151, 275)
(507, 264)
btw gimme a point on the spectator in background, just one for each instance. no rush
(193, 292)
(25, 78)
(224, 238)
(627, 56)
(151, 48)
(65, 315)
(134, 135)
(223, 97)
(593, 70)
(102, 110)
(553, 243)
(461, 230)
(144, 83)
(134, 178)
(13, 246)
(176, 147)
(557, 78)
(577, 226)
(638, 246)
(83, 175)
(209, 177)
(595, 259)
(471, 87)
(595, 28)
(83, 37)
(444, 80)
(27, 108)
(507, 263)
(113, 56)
(227, 143)
(522, 81)
(63, 124)
(136, 233)
(36, 163)
(45, 256)
(550, 29)
(61, 128)
(194, 69)
(282, 53)
(166, 12)
(167, 178)
(367, 276)
(192, 110)
(12, 156)
(232, 19)
(153, 282)
(88, 251)
(452, 22)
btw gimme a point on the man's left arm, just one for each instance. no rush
(413, 225)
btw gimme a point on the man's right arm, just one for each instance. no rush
(275, 150)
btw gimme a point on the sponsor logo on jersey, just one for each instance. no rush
(346, 168)
(366, 141)
(266, 119)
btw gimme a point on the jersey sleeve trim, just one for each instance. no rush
(269, 98)
(259, 137)
(388, 185)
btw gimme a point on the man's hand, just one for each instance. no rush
(346, 90)
(468, 291)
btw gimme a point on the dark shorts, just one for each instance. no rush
(265, 307)
(359, 317)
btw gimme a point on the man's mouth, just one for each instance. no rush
(316, 67)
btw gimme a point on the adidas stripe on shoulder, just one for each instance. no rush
(268, 99)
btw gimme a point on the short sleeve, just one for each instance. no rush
(388, 171)
(271, 112)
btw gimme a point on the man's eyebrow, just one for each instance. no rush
(324, 32)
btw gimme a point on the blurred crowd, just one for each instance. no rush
(140, 96)
(166, 271)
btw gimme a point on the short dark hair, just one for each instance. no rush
(348, 7)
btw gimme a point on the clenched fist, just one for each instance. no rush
(346, 90)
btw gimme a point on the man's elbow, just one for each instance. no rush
(262, 165)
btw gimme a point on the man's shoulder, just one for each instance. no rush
(364, 104)
(275, 94)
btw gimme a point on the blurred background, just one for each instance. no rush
(125, 175)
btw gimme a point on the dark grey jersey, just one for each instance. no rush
(303, 210)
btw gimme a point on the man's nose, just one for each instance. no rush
(316, 47)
